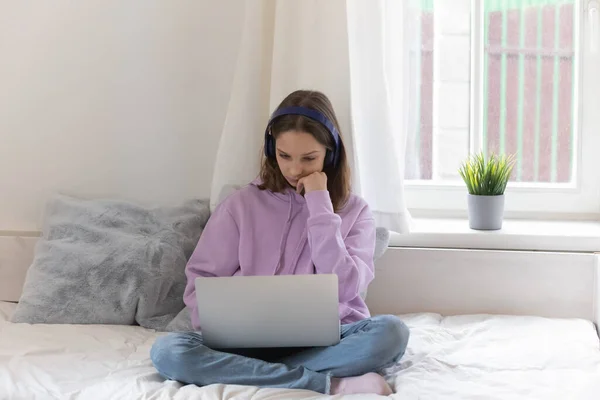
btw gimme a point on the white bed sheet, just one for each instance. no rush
(461, 357)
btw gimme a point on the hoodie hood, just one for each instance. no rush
(287, 195)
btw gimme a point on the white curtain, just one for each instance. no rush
(353, 51)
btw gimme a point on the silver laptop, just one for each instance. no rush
(268, 311)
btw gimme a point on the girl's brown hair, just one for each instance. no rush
(338, 176)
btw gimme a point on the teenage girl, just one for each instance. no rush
(298, 217)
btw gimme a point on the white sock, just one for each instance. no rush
(367, 383)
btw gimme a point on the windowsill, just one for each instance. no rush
(570, 236)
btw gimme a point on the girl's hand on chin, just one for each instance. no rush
(312, 182)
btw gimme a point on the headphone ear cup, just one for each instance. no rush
(269, 146)
(329, 158)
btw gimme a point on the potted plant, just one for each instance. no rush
(486, 180)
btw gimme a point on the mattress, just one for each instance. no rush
(458, 357)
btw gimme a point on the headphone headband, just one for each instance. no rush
(309, 113)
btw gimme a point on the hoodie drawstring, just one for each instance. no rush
(284, 237)
(303, 240)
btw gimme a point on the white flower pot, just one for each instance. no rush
(486, 212)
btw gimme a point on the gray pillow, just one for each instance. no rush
(111, 262)
(382, 240)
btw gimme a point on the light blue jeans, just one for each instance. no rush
(365, 346)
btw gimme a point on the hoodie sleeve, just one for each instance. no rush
(350, 258)
(216, 254)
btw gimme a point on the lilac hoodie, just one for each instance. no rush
(259, 232)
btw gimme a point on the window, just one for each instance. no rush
(512, 77)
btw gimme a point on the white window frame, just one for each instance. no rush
(578, 200)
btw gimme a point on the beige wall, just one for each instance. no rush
(111, 98)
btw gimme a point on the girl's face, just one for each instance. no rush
(299, 154)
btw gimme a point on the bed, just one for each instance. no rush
(456, 357)
(495, 349)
